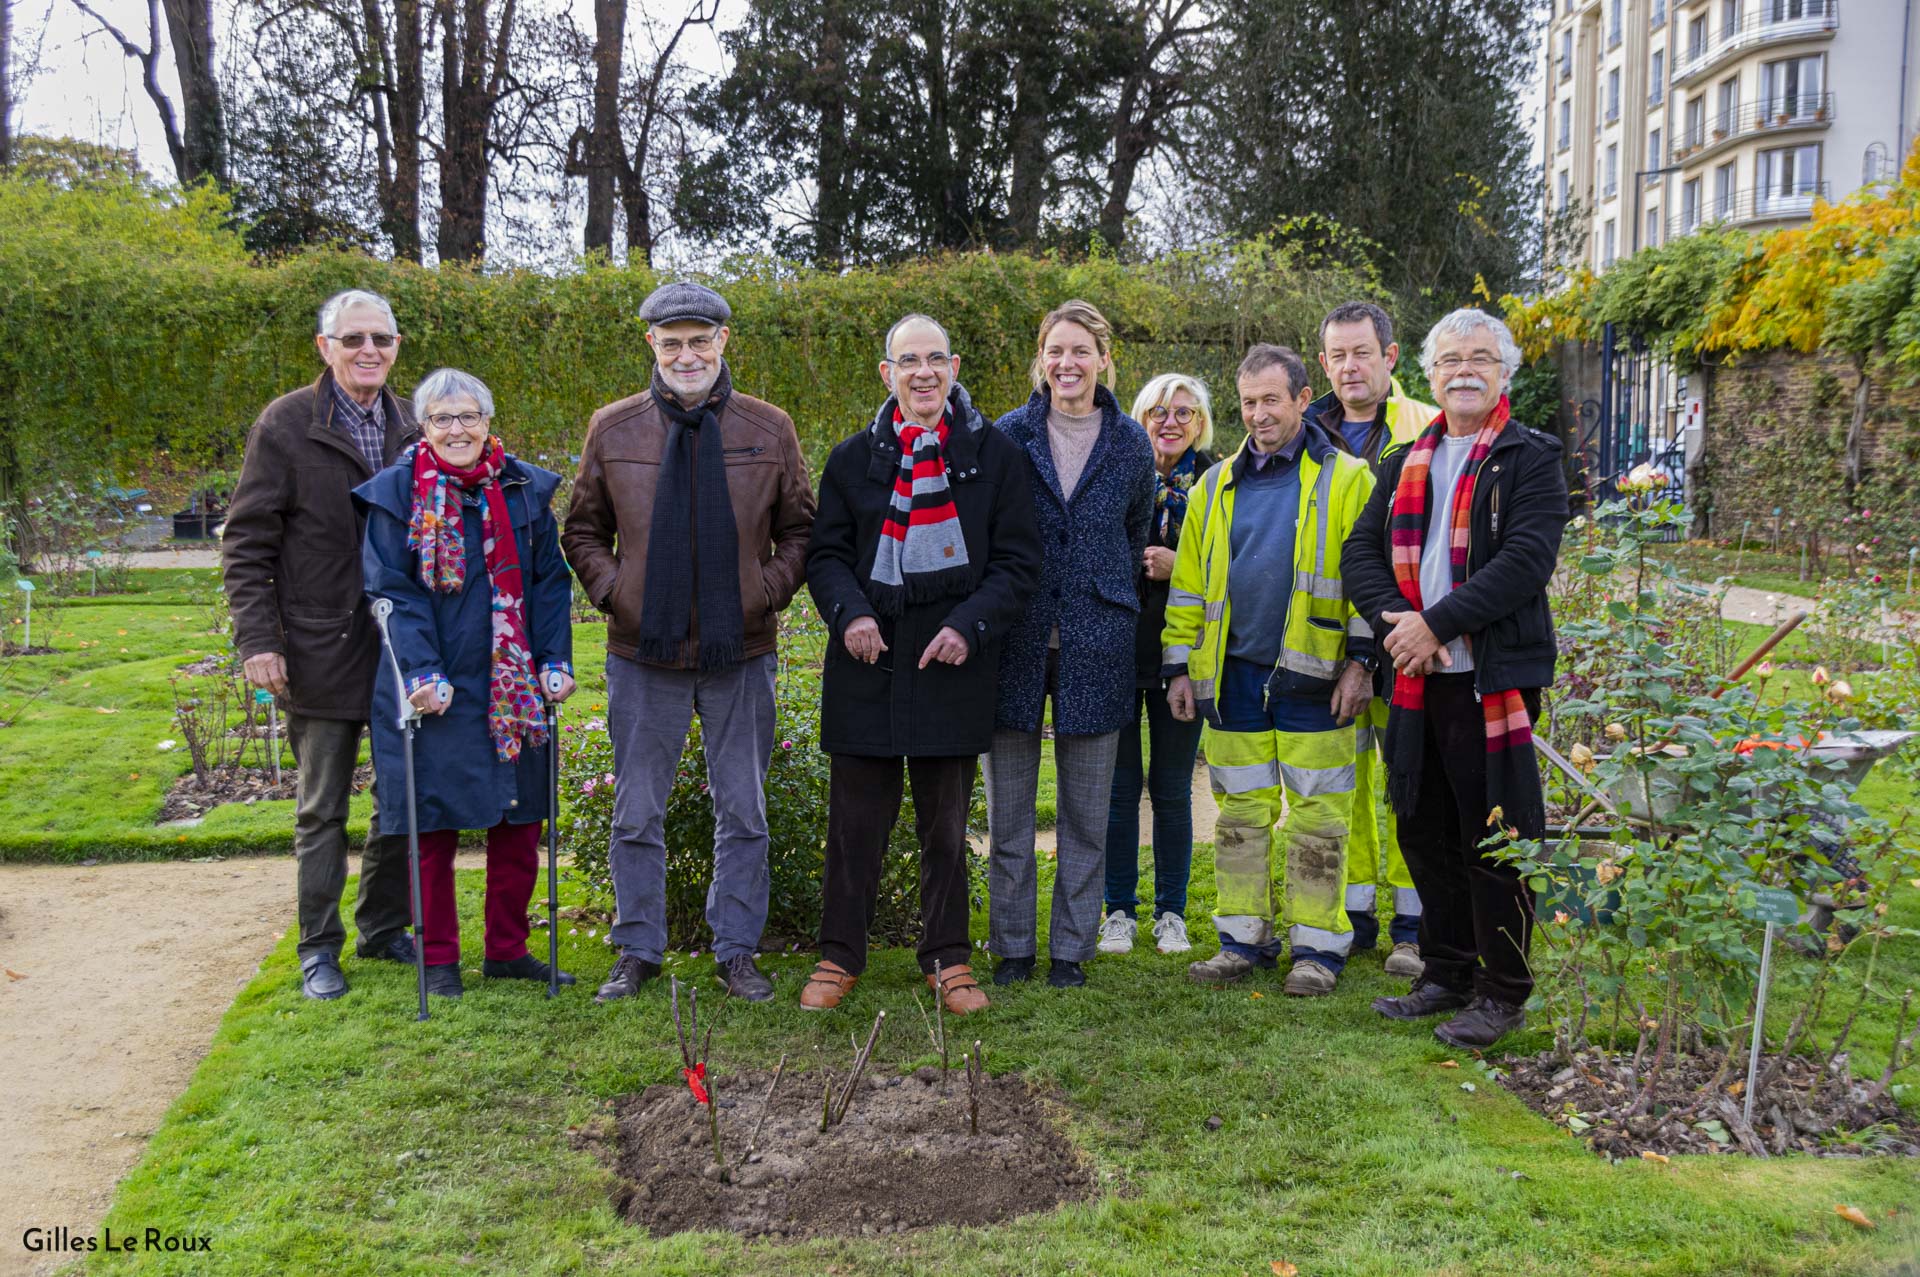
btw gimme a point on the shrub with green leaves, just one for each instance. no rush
(1723, 814)
(797, 794)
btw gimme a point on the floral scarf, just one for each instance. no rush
(1170, 496)
(515, 714)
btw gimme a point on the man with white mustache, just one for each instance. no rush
(1368, 414)
(1450, 564)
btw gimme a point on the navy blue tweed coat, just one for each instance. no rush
(1092, 547)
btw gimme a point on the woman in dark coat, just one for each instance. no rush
(1093, 499)
(461, 540)
(1178, 415)
(923, 556)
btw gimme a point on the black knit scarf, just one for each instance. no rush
(693, 547)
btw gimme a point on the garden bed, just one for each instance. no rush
(1696, 1107)
(190, 799)
(902, 1158)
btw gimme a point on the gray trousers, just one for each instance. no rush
(1084, 790)
(648, 712)
(325, 750)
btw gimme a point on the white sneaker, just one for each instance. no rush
(1170, 933)
(1116, 933)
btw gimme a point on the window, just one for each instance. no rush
(1791, 89)
(1613, 170)
(1657, 78)
(1696, 121)
(1613, 26)
(1653, 227)
(1566, 54)
(1659, 13)
(1723, 191)
(1795, 10)
(1608, 254)
(1613, 95)
(1689, 205)
(1560, 192)
(1655, 156)
(1726, 114)
(1729, 18)
(1790, 174)
(1697, 38)
(1566, 123)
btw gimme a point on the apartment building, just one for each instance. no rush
(1663, 116)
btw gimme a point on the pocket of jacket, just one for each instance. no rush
(1121, 594)
(1325, 623)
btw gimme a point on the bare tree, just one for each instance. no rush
(473, 70)
(197, 135)
(6, 85)
(1157, 88)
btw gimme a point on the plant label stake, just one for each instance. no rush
(408, 717)
(262, 696)
(1774, 906)
(93, 569)
(26, 587)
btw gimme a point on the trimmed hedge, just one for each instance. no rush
(134, 327)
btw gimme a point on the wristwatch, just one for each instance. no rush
(1370, 663)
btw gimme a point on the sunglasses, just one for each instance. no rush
(354, 341)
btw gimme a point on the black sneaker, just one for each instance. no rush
(398, 948)
(1484, 1022)
(1065, 975)
(524, 967)
(1009, 970)
(320, 977)
(1424, 999)
(628, 974)
(443, 979)
(742, 979)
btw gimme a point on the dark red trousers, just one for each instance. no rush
(513, 865)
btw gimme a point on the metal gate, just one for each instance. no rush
(1637, 418)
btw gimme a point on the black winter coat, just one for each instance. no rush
(1513, 543)
(1153, 594)
(892, 708)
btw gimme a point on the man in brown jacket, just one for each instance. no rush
(291, 558)
(688, 528)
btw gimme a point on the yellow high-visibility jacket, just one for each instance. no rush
(1322, 626)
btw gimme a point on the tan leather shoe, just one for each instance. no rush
(959, 990)
(826, 985)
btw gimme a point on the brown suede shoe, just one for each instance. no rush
(959, 990)
(826, 985)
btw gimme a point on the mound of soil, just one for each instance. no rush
(901, 1159)
(1593, 1098)
(189, 799)
(14, 649)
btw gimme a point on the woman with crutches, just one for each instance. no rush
(461, 540)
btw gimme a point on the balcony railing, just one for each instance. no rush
(1610, 190)
(1768, 115)
(1659, 18)
(1657, 95)
(1565, 143)
(1770, 22)
(1613, 112)
(1761, 204)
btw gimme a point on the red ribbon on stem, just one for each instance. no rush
(695, 1076)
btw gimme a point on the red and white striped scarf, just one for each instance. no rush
(922, 553)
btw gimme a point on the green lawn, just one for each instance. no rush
(345, 1138)
(1344, 1148)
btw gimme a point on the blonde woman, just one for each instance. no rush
(1178, 414)
(1093, 501)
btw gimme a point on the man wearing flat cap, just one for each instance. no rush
(688, 528)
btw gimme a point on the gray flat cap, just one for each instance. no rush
(683, 303)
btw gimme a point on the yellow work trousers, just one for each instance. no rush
(1373, 850)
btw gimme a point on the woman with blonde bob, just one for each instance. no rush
(1093, 502)
(1178, 414)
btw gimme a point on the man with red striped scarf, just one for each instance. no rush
(1450, 563)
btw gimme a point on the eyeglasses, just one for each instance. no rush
(911, 364)
(1181, 416)
(447, 420)
(671, 346)
(1479, 363)
(354, 341)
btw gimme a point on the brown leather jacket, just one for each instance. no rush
(611, 515)
(290, 554)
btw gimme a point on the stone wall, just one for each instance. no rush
(1776, 438)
